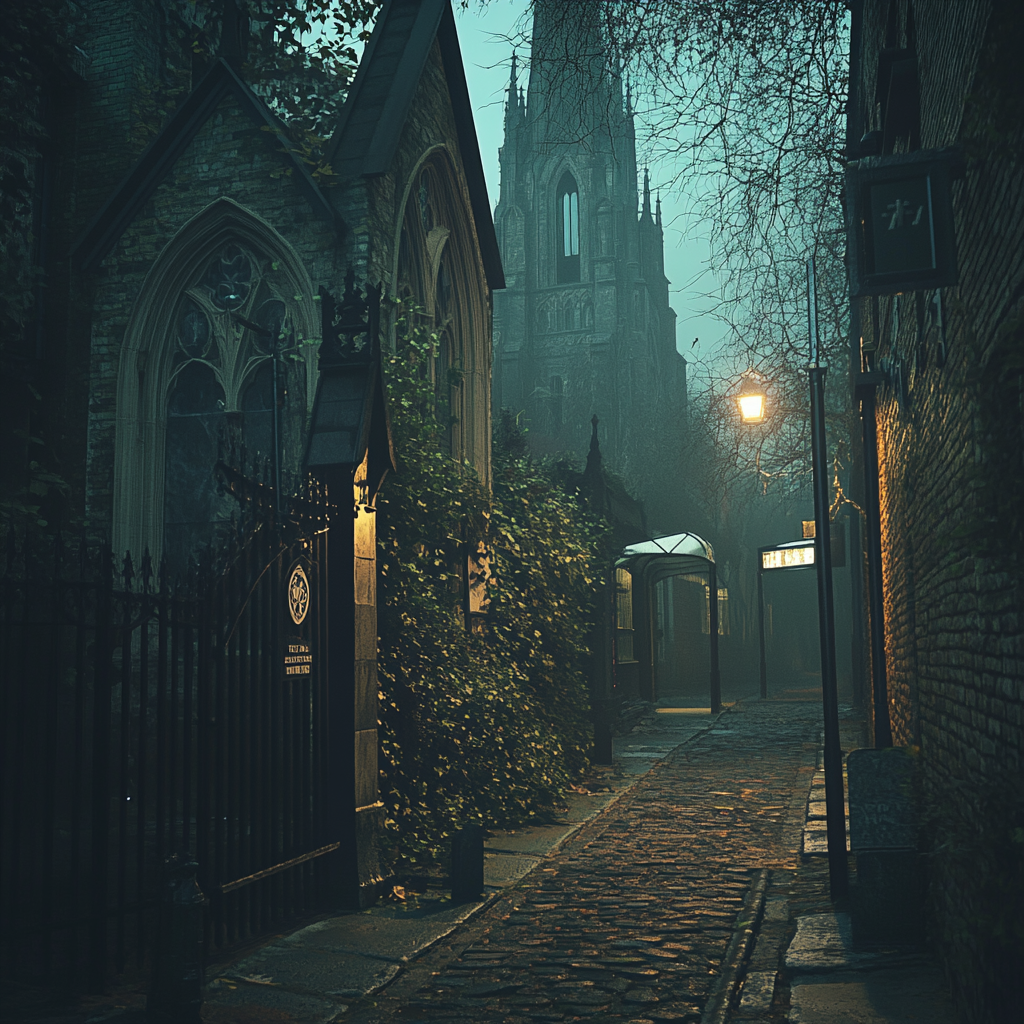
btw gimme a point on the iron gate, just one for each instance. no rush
(144, 716)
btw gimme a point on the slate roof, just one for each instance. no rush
(371, 122)
(350, 417)
(160, 156)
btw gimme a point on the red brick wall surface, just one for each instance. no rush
(954, 650)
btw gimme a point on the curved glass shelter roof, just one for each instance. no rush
(662, 557)
(677, 544)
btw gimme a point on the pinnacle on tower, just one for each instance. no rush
(646, 213)
(514, 104)
(657, 210)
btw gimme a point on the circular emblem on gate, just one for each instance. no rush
(298, 595)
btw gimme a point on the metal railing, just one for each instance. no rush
(142, 716)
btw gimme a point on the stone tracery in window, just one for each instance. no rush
(220, 379)
(228, 278)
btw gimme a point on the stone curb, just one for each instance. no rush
(717, 1009)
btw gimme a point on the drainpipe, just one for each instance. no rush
(864, 393)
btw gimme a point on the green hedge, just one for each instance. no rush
(493, 725)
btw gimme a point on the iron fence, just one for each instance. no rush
(144, 716)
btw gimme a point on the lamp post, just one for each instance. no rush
(751, 403)
(835, 799)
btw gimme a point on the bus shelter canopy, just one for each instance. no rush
(658, 559)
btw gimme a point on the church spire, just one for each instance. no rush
(513, 106)
(646, 212)
(569, 93)
(657, 210)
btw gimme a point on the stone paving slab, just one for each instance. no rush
(756, 994)
(267, 1002)
(327, 973)
(824, 944)
(394, 932)
(904, 996)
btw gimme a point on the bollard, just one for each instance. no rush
(603, 715)
(468, 864)
(176, 985)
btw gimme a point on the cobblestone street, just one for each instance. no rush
(636, 918)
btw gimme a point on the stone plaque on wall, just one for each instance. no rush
(883, 813)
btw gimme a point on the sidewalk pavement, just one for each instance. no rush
(825, 978)
(314, 974)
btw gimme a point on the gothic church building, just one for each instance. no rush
(584, 326)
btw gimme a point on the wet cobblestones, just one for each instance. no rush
(631, 920)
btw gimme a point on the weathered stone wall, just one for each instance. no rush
(954, 644)
(229, 157)
(430, 127)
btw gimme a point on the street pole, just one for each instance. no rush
(835, 801)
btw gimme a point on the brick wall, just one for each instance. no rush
(954, 645)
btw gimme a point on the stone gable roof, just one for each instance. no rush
(160, 156)
(378, 104)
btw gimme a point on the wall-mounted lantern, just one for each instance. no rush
(899, 218)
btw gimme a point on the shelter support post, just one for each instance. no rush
(643, 634)
(716, 679)
(763, 661)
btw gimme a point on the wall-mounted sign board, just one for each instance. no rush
(899, 218)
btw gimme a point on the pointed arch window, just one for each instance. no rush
(568, 252)
(194, 345)
(446, 376)
(222, 379)
(195, 414)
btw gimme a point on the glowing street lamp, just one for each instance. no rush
(751, 401)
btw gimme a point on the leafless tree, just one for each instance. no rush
(741, 109)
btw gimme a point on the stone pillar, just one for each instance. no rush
(369, 811)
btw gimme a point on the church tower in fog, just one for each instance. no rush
(584, 325)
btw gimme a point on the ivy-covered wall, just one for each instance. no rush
(487, 724)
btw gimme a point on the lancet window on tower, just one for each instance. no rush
(568, 260)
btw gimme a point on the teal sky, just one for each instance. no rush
(485, 37)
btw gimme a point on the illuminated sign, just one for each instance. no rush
(788, 558)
